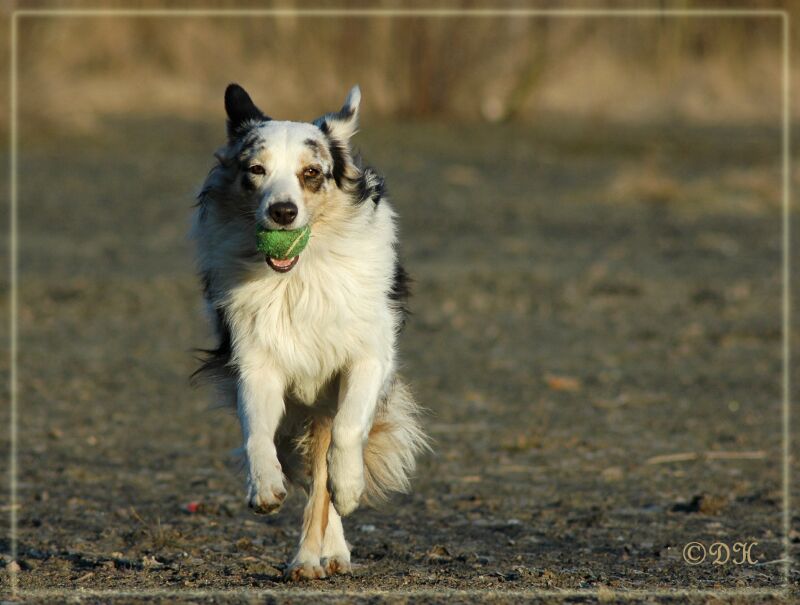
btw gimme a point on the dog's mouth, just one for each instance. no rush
(282, 266)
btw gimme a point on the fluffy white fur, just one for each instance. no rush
(308, 356)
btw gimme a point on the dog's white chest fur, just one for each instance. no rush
(328, 311)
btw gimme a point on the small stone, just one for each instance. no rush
(612, 473)
(150, 562)
(439, 554)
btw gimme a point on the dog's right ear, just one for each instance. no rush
(240, 109)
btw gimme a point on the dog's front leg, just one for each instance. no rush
(260, 406)
(358, 396)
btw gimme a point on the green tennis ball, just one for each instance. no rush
(282, 244)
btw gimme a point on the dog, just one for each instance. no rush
(307, 346)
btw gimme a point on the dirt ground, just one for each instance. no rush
(596, 333)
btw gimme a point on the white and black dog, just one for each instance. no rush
(307, 347)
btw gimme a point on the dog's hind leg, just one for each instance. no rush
(306, 562)
(335, 552)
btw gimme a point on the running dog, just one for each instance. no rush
(307, 346)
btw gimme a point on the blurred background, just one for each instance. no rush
(590, 209)
(489, 69)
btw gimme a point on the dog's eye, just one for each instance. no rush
(256, 169)
(311, 172)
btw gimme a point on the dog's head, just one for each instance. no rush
(285, 175)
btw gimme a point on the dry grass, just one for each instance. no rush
(75, 72)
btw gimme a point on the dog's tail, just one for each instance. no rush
(395, 441)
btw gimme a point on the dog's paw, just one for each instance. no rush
(266, 493)
(304, 570)
(337, 564)
(345, 478)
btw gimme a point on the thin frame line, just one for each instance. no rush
(787, 300)
(13, 277)
(621, 13)
(393, 12)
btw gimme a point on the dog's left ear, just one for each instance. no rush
(342, 124)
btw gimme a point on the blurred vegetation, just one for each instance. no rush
(76, 71)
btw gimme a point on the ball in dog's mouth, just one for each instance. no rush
(282, 266)
(282, 247)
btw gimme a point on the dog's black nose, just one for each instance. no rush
(283, 213)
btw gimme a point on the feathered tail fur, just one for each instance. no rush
(390, 454)
(394, 442)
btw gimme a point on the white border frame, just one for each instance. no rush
(438, 13)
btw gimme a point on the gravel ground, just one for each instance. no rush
(596, 334)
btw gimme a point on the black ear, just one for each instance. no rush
(240, 109)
